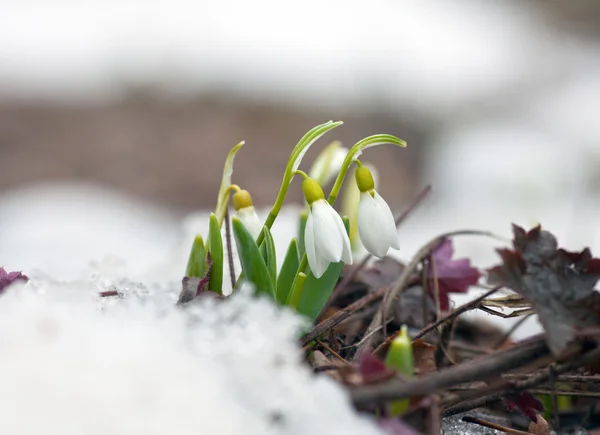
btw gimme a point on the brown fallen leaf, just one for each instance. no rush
(424, 359)
(560, 284)
(540, 427)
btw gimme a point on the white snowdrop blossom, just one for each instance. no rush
(325, 237)
(242, 202)
(376, 224)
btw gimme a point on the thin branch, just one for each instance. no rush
(492, 395)
(340, 316)
(491, 425)
(457, 312)
(476, 370)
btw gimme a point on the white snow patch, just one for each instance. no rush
(72, 364)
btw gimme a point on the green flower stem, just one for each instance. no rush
(292, 165)
(354, 153)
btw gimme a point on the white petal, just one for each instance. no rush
(388, 222)
(317, 263)
(347, 252)
(250, 220)
(328, 238)
(376, 225)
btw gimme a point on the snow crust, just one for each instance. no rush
(73, 363)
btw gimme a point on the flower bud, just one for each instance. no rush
(312, 190)
(364, 179)
(241, 199)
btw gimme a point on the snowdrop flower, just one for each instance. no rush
(325, 237)
(327, 165)
(242, 202)
(376, 224)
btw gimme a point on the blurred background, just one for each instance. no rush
(116, 116)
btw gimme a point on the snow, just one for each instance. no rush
(72, 363)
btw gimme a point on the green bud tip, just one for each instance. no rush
(312, 190)
(364, 179)
(241, 199)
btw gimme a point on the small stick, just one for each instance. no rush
(478, 369)
(491, 425)
(229, 252)
(492, 395)
(340, 316)
(458, 311)
(511, 331)
(333, 352)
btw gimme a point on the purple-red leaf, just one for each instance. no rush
(454, 276)
(526, 403)
(7, 278)
(372, 369)
(559, 284)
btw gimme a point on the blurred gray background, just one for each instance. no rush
(499, 103)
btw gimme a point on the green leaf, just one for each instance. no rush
(297, 288)
(196, 265)
(317, 291)
(253, 265)
(288, 271)
(215, 247)
(267, 249)
(223, 198)
(301, 227)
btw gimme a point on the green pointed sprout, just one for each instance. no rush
(196, 266)
(287, 273)
(214, 246)
(224, 190)
(267, 249)
(254, 268)
(297, 286)
(400, 357)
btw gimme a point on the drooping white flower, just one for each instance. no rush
(242, 202)
(325, 237)
(327, 165)
(376, 224)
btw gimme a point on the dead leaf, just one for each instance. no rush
(383, 272)
(559, 284)
(424, 357)
(7, 278)
(372, 369)
(454, 276)
(527, 403)
(541, 427)
(192, 287)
